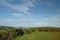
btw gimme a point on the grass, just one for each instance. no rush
(4, 31)
(40, 36)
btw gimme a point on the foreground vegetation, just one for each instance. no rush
(35, 33)
(40, 36)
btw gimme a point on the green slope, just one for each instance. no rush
(40, 36)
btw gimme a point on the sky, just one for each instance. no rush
(30, 13)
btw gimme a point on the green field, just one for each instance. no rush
(40, 36)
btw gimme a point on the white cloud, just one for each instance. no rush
(22, 7)
(16, 14)
(23, 23)
(29, 2)
(51, 21)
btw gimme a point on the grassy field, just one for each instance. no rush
(40, 36)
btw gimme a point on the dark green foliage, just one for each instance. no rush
(19, 32)
(10, 34)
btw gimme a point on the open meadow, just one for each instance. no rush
(40, 36)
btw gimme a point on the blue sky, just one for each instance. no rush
(30, 13)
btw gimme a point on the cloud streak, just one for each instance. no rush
(22, 7)
(51, 21)
(16, 14)
(19, 23)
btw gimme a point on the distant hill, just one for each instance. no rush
(46, 28)
(5, 27)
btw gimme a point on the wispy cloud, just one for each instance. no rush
(25, 18)
(50, 21)
(23, 23)
(16, 14)
(22, 7)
